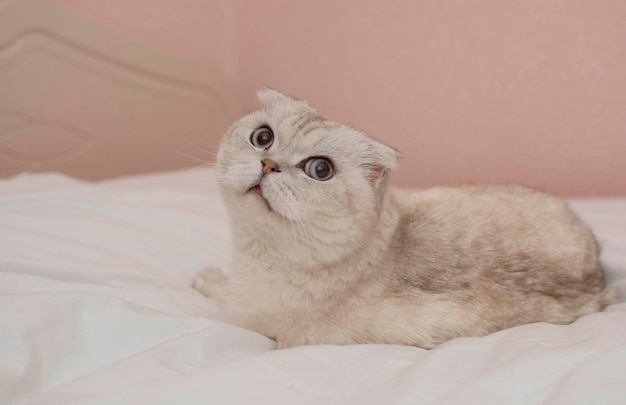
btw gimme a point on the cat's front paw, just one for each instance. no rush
(211, 282)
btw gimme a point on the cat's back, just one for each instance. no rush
(515, 237)
(489, 210)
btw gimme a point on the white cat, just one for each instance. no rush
(326, 253)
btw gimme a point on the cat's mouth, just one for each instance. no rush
(257, 189)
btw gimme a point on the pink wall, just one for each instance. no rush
(499, 91)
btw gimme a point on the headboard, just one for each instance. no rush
(79, 99)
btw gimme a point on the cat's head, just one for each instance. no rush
(289, 170)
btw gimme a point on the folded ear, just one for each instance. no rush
(380, 158)
(269, 96)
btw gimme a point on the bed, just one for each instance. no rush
(96, 303)
(96, 306)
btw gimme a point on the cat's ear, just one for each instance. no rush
(380, 160)
(269, 96)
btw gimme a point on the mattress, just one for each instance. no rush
(96, 307)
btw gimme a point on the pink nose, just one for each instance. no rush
(269, 166)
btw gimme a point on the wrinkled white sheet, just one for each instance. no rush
(96, 307)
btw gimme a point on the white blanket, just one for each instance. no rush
(96, 306)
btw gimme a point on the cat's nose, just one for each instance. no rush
(269, 166)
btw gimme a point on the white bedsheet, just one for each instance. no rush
(96, 306)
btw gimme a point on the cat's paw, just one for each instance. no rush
(211, 282)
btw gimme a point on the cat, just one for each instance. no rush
(325, 252)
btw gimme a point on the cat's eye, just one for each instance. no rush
(262, 137)
(319, 169)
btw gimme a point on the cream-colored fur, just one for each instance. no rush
(348, 260)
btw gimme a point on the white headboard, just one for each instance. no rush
(79, 99)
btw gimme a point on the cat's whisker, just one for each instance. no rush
(204, 184)
(212, 153)
(221, 179)
(201, 167)
(190, 157)
(216, 183)
(211, 179)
